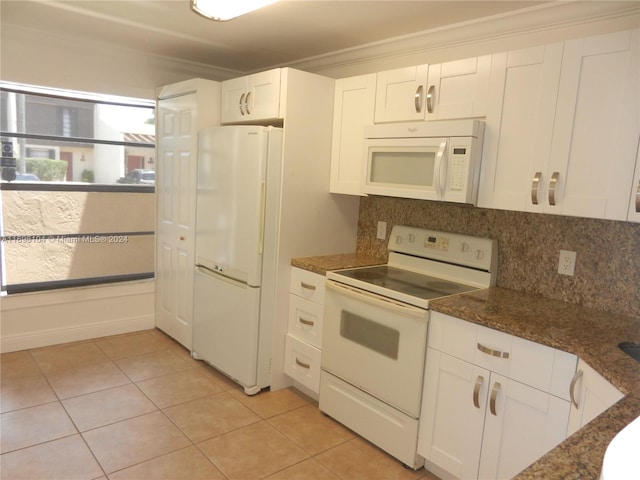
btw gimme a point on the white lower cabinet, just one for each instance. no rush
(478, 423)
(303, 342)
(591, 395)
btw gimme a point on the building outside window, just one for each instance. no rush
(78, 207)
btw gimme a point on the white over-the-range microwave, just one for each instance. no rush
(437, 160)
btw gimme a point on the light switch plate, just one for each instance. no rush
(382, 231)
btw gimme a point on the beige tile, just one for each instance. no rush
(67, 458)
(149, 365)
(107, 406)
(31, 426)
(186, 464)
(17, 365)
(307, 470)
(133, 441)
(180, 387)
(23, 392)
(252, 452)
(136, 343)
(310, 429)
(358, 459)
(210, 416)
(53, 360)
(267, 403)
(87, 379)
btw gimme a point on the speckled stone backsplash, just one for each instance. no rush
(607, 274)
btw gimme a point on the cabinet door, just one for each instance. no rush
(634, 201)
(175, 236)
(452, 415)
(591, 395)
(251, 98)
(353, 109)
(458, 89)
(523, 90)
(401, 94)
(233, 93)
(596, 130)
(263, 95)
(521, 425)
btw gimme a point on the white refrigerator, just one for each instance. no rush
(238, 193)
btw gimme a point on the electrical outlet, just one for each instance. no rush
(567, 263)
(381, 234)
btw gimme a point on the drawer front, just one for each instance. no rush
(302, 363)
(305, 320)
(307, 285)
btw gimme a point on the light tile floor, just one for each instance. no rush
(138, 407)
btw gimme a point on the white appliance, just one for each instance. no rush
(424, 160)
(375, 332)
(239, 170)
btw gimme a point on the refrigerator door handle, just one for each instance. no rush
(263, 201)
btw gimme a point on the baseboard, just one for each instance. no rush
(76, 333)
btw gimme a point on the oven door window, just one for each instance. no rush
(374, 336)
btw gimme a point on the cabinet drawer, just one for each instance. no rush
(307, 285)
(302, 363)
(305, 320)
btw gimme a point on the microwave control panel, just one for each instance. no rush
(458, 169)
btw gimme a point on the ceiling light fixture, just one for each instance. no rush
(223, 10)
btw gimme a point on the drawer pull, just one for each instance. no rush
(302, 364)
(494, 396)
(476, 391)
(572, 387)
(493, 353)
(308, 286)
(304, 321)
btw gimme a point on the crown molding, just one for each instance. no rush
(538, 21)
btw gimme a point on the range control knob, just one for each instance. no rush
(412, 238)
(479, 254)
(398, 239)
(464, 247)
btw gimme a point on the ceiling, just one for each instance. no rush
(277, 35)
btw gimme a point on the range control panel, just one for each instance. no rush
(475, 252)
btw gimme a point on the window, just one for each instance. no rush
(78, 188)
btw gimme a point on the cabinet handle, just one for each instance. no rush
(553, 183)
(476, 391)
(572, 387)
(241, 103)
(302, 364)
(418, 98)
(304, 321)
(494, 396)
(535, 186)
(492, 352)
(307, 286)
(246, 103)
(431, 94)
(638, 198)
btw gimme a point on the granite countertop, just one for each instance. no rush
(592, 335)
(324, 263)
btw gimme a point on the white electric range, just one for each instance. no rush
(375, 331)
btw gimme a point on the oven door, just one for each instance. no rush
(375, 344)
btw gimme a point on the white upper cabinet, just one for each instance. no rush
(458, 89)
(353, 108)
(251, 98)
(563, 128)
(401, 94)
(519, 127)
(596, 128)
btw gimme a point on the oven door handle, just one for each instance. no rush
(373, 299)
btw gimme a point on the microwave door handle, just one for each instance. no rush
(440, 172)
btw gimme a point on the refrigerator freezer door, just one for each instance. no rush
(226, 326)
(232, 163)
